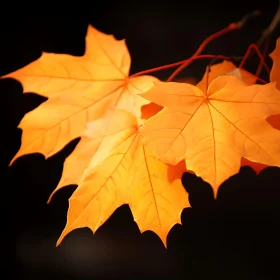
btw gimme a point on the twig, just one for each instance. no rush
(258, 52)
(269, 31)
(189, 60)
(230, 27)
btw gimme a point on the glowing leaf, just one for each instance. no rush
(80, 89)
(134, 150)
(129, 175)
(228, 68)
(95, 145)
(275, 71)
(224, 68)
(213, 130)
(275, 77)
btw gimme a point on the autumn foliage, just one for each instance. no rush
(139, 134)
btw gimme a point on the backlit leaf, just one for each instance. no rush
(275, 71)
(80, 89)
(129, 175)
(212, 130)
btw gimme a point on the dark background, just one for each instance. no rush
(234, 237)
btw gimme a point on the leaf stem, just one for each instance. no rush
(273, 25)
(230, 27)
(260, 55)
(188, 60)
(262, 59)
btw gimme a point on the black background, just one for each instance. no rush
(234, 237)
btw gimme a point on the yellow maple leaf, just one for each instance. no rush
(129, 175)
(213, 130)
(79, 90)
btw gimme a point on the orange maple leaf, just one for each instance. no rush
(224, 68)
(79, 90)
(93, 97)
(228, 68)
(275, 71)
(275, 77)
(129, 175)
(213, 130)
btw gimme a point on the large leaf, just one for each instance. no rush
(80, 90)
(129, 175)
(212, 130)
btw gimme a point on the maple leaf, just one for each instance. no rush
(110, 165)
(275, 71)
(275, 77)
(213, 130)
(228, 68)
(224, 68)
(79, 90)
(129, 175)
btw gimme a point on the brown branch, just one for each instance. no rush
(269, 31)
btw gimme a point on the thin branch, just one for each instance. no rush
(230, 27)
(189, 60)
(248, 53)
(269, 31)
